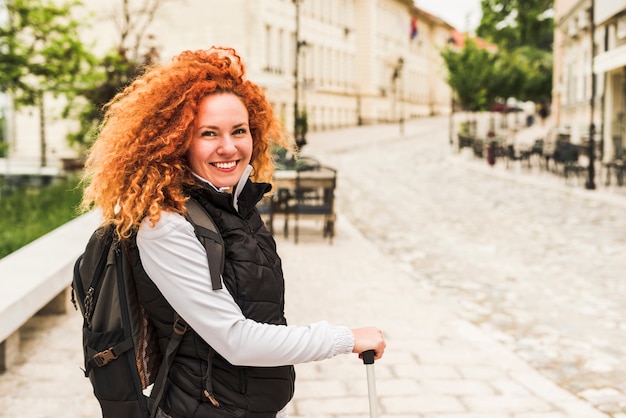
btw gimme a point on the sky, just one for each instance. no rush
(456, 12)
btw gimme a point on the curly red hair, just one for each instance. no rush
(137, 167)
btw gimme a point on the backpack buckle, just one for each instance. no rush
(104, 357)
(180, 326)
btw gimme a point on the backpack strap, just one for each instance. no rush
(180, 327)
(210, 237)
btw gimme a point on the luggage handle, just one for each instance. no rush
(368, 357)
(368, 360)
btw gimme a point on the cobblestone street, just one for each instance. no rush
(531, 260)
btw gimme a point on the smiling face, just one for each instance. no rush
(221, 147)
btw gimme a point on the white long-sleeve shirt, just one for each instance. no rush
(176, 262)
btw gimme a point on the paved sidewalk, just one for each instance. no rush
(436, 365)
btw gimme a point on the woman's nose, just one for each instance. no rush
(227, 145)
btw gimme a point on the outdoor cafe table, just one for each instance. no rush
(304, 193)
(286, 179)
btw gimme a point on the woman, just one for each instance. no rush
(196, 128)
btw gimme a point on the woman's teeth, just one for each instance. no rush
(225, 165)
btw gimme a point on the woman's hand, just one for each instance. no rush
(369, 338)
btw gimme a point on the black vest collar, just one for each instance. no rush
(251, 194)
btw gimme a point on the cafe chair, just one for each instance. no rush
(314, 197)
(279, 202)
(275, 204)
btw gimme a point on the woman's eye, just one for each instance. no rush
(207, 133)
(240, 131)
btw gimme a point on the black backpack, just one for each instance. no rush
(121, 351)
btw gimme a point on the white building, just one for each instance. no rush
(609, 65)
(590, 73)
(360, 61)
(572, 68)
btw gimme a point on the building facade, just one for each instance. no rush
(357, 61)
(590, 73)
(610, 69)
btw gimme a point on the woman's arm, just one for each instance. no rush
(176, 261)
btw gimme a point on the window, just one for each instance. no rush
(268, 48)
(282, 58)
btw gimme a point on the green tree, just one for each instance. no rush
(515, 23)
(132, 52)
(470, 75)
(523, 31)
(108, 77)
(508, 76)
(40, 53)
(536, 65)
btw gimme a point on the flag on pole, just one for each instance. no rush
(413, 27)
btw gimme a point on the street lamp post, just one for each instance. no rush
(397, 74)
(299, 121)
(592, 143)
(451, 121)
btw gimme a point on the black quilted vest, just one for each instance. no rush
(253, 275)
